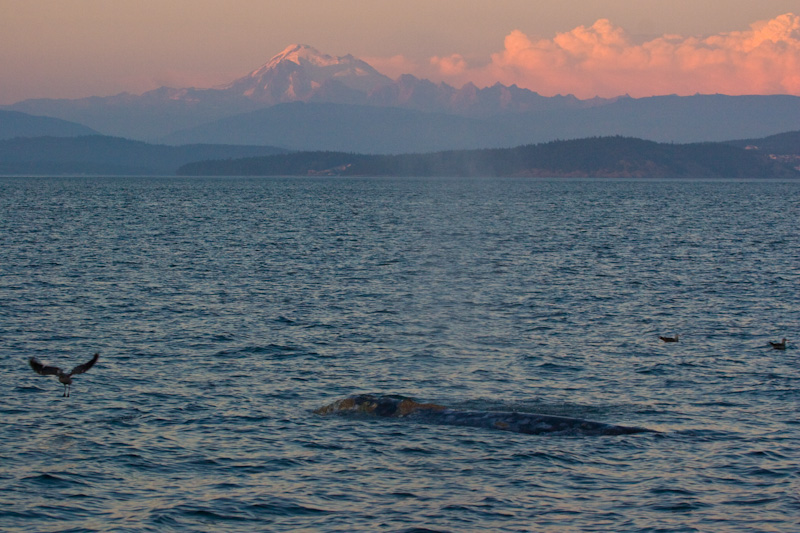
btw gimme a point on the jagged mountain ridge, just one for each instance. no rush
(300, 73)
(249, 111)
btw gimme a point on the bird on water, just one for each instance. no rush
(63, 377)
(669, 339)
(778, 345)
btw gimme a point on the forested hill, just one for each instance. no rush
(781, 144)
(98, 154)
(609, 157)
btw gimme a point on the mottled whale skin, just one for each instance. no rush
(430, 413)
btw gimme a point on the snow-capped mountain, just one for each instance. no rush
(339, 97)
(301, 72)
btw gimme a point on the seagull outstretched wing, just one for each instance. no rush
(80, 369)
(44, 370)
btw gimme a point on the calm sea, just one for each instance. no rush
(226, 310)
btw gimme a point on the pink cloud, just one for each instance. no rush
(452, 65)
(604, 60)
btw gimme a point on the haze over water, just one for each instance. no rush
(226, 310)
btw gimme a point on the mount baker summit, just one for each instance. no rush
(302, 99)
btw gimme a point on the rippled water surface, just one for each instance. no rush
(227, 310)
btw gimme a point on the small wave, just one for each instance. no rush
(275, 349)
(320, 326)
(681, 506)
(672, 490)
(415, 450)
(656, 370)
(752, 502)
(323, 446)
(53, 480)
(270, 349)
(422, 530)
(559, 368)
(760, 472)
(124, 417)
(404, 495)
(228, 510)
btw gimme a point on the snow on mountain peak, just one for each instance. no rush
(300, 71)
(304, 54)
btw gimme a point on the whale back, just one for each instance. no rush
(390, 406)
(385, 406)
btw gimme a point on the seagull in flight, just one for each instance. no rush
(63, 377)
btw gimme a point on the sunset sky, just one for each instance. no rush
(76, 48)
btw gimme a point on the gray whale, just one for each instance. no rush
(430, 413)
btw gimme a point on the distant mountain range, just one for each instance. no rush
(306, 100)
(348, 127)
(391, 130)
(16, 124)
(602, 157)
(298, 74)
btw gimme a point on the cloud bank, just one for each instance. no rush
(603, 60)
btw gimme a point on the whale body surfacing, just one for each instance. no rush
(430, 413)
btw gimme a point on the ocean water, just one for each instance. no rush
(226, 310)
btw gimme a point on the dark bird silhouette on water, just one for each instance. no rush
(63, 377)
(669, 339)
(778, 345)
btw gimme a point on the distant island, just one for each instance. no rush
(103, 155)
(776, 157)
(601, 157)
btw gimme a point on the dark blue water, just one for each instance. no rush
(226, 310)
